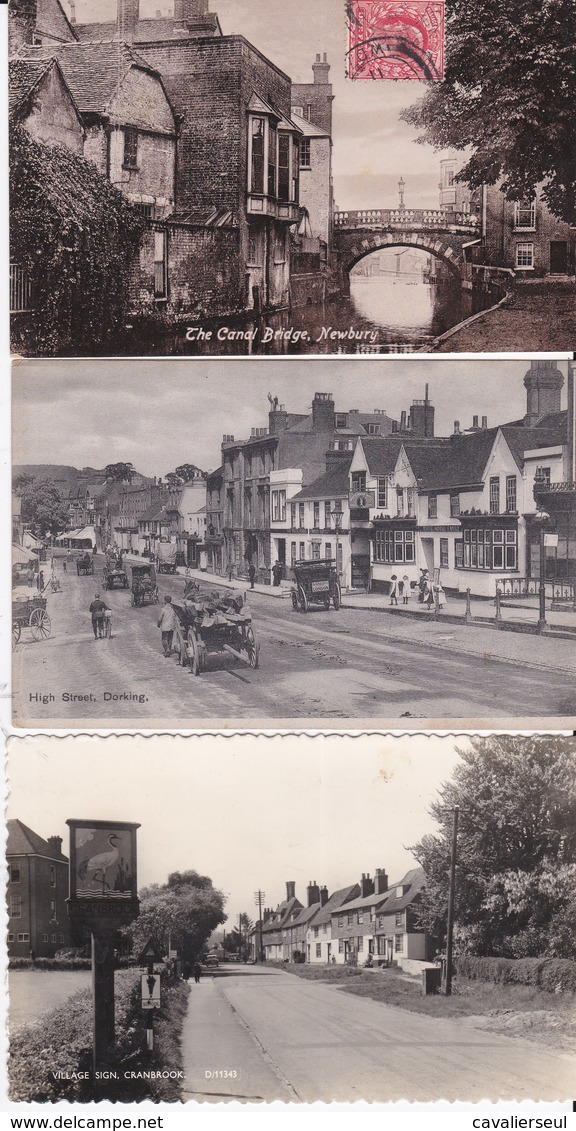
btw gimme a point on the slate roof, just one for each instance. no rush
(307, 128)
(416, 879)
(23, 841)
(24, 75)
(305, 915)
(363, 901)
(284, 910)
(94, 71)
(328, 486)
(147, 31)
(336, 899)
(153, 513)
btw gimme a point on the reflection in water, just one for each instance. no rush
(381, 315)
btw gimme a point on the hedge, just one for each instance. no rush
(556, 975)
(72, 963)
(61, 1042)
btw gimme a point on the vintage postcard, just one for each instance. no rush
(325, 918)
(256, 177)
(238, 544)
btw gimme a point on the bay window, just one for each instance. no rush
(273, 160)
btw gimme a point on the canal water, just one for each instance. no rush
(382, 314)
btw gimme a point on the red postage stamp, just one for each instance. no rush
(396, 39)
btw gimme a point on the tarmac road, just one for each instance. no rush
(260, 1034)
(351, 664)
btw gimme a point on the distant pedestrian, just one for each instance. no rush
(64, 566)
(405, 589)
(97, 610)
(394, 590)
(277, 573)
(429, 595)
(167, 622)
(94, 550)
(230, 569)
(252, 573)
(186, 971)
(197, 972)
(423, 585)
(33, 956)
(440, 595)
(30, 577)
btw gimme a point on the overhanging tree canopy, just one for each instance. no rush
(508, 94)
(516, 875)
(183, 912)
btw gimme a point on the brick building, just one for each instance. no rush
(214, 538)
(37, 892)
(525, 236)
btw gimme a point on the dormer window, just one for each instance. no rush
(273, 161)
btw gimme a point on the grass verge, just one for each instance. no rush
(51, 1059)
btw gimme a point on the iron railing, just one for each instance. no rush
(405, 218)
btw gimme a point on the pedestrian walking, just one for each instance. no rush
(97, 611)
(252, 573)
(230, 569)
(394, 589)
(405, 589)
(277, 573)
(40, 581)
(423, 585)
(197, 972)
(167, 622)
(440, 595)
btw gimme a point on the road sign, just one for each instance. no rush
(149, 954)
(172, 954)
(150, 989)
(550, 539)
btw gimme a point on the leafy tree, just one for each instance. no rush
(516, 873)
(43, 508)
(182, 474)
(78, 238)
(119, 472)
(183, 912)
(508, 94)
(237, 940)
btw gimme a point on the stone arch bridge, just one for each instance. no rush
(442, 234)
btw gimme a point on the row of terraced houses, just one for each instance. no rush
(369, 921)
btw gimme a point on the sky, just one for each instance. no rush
(158, 414)
(250, 811)
(372, 148)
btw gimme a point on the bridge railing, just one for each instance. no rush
(405, 218)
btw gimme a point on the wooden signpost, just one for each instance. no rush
(103, 897)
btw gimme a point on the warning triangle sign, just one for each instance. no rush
(149, 953)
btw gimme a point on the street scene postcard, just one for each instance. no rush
(235, 542)
(335, 176)
(326, 918)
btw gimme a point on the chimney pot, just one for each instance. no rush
(484, 422)
(474, 421)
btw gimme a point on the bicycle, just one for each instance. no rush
(108, 624)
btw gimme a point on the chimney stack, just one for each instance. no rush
(366, 885)
(323, 415)
(55, 842)
(456, 427)
(323, 896)
(321, 70)
(543, 383)
(474, 421)
(72, 12)
(277, 420)
(128, 15)
(484, 422)
(313, 893)
(290, 889)
(381, 881)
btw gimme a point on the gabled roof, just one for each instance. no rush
(281, 914)
(94, 71)
(336, 900)
(154, 513)
(305, 915)
(363, 901)
(25, 75)
(381, 453)
(308, 129)
(23, 841)
(415, 881)
(328, 486)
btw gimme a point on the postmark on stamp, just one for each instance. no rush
(395, 39)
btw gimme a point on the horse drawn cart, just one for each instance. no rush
(215, 626)
(30, 612)
(84, 565)
(144, 586)
(316, 583)
(114, 575)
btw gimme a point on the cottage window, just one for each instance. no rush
(292, 553)
(302, 546)
(283, 166)
(360, 942)
(316, 551)
(454, 504)
(340, 920)
(374, 429)
(316, 516)
(52, 876)
(130, 149)
(433, 505)
(511, 494)
(399, 919)
(272, 156)
(360, 917)
(458, 554)
(489, 549)
(525, 255)
(14, 873)
(305, 164)
(358, 481)
(350, 918)
(398, 944)
(318, 950)
(382, 494)
(278, 506)
(327, 550)
(340, 946)
(24, 936)
(45, 936)
(15, 907)
(52, 909)
(525, 214)
(327, 519)
(542, 477)
(301, 516)
(494, 494)
(394, 546)
(399, 502)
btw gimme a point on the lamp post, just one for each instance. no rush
(451, 897)
(542, 518)
(337, 518)
(401, 187)
(258, 897)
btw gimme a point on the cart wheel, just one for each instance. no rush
(303, 601)
(294, 600)
(40, 624)
(336, 597)
(252, 647)
(16, 632)
(193, 652)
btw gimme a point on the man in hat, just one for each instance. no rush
(97, 610)
(423, 585)
(167, 622)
